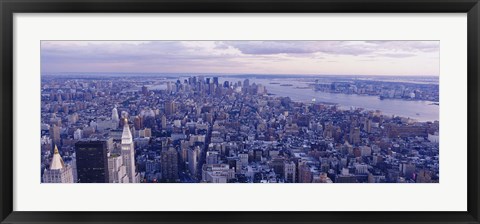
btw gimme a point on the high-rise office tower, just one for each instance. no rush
(55, 134)
(58, 172)
(170, 164)
(170, 107)
(128, 152)
(193, 159)
(117, 172)
(289, 172)
(304, 173)
(54, 120)
(138, 122)
(92, 163)
(115, 117)
(355, 136)
(164, 122)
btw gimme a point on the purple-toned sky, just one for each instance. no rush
(255, 57)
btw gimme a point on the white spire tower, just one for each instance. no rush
(57, 161)
(128, 152)
(58, 172)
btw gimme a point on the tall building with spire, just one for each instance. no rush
(128, 152)
(115, 117)
(58, 172)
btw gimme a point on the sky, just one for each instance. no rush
(407, 58)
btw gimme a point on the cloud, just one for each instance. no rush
(354, 48)
(299, 47)
(399, 55)
(406, 46)
(234, 56)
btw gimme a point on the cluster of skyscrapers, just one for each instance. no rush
(96, 159)
(195, 129)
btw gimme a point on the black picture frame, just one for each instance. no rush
(9, 7)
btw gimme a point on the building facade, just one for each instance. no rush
(58, 172)
(92, 161)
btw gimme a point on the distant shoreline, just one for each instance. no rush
(258, 76)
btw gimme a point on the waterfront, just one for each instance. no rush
(209, 130)
(240, 112)
(297, 90)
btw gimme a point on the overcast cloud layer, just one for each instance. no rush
(255, 57)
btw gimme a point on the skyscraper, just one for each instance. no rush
(355, 136)
(170, 107)
(170, 164)
(92, 163)
(193, 159)
(164, 122)
(289, 172)
(117, 172)
(55, 134)
(138, 122)
(115, 117)
(58, 172)
(128, 152)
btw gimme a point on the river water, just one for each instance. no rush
(418, 110)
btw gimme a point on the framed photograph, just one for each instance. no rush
(239, 112)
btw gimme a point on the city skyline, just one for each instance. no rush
(378, 58)
(230, 130)
(240, 112)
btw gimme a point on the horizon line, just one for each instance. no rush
(218, 73)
